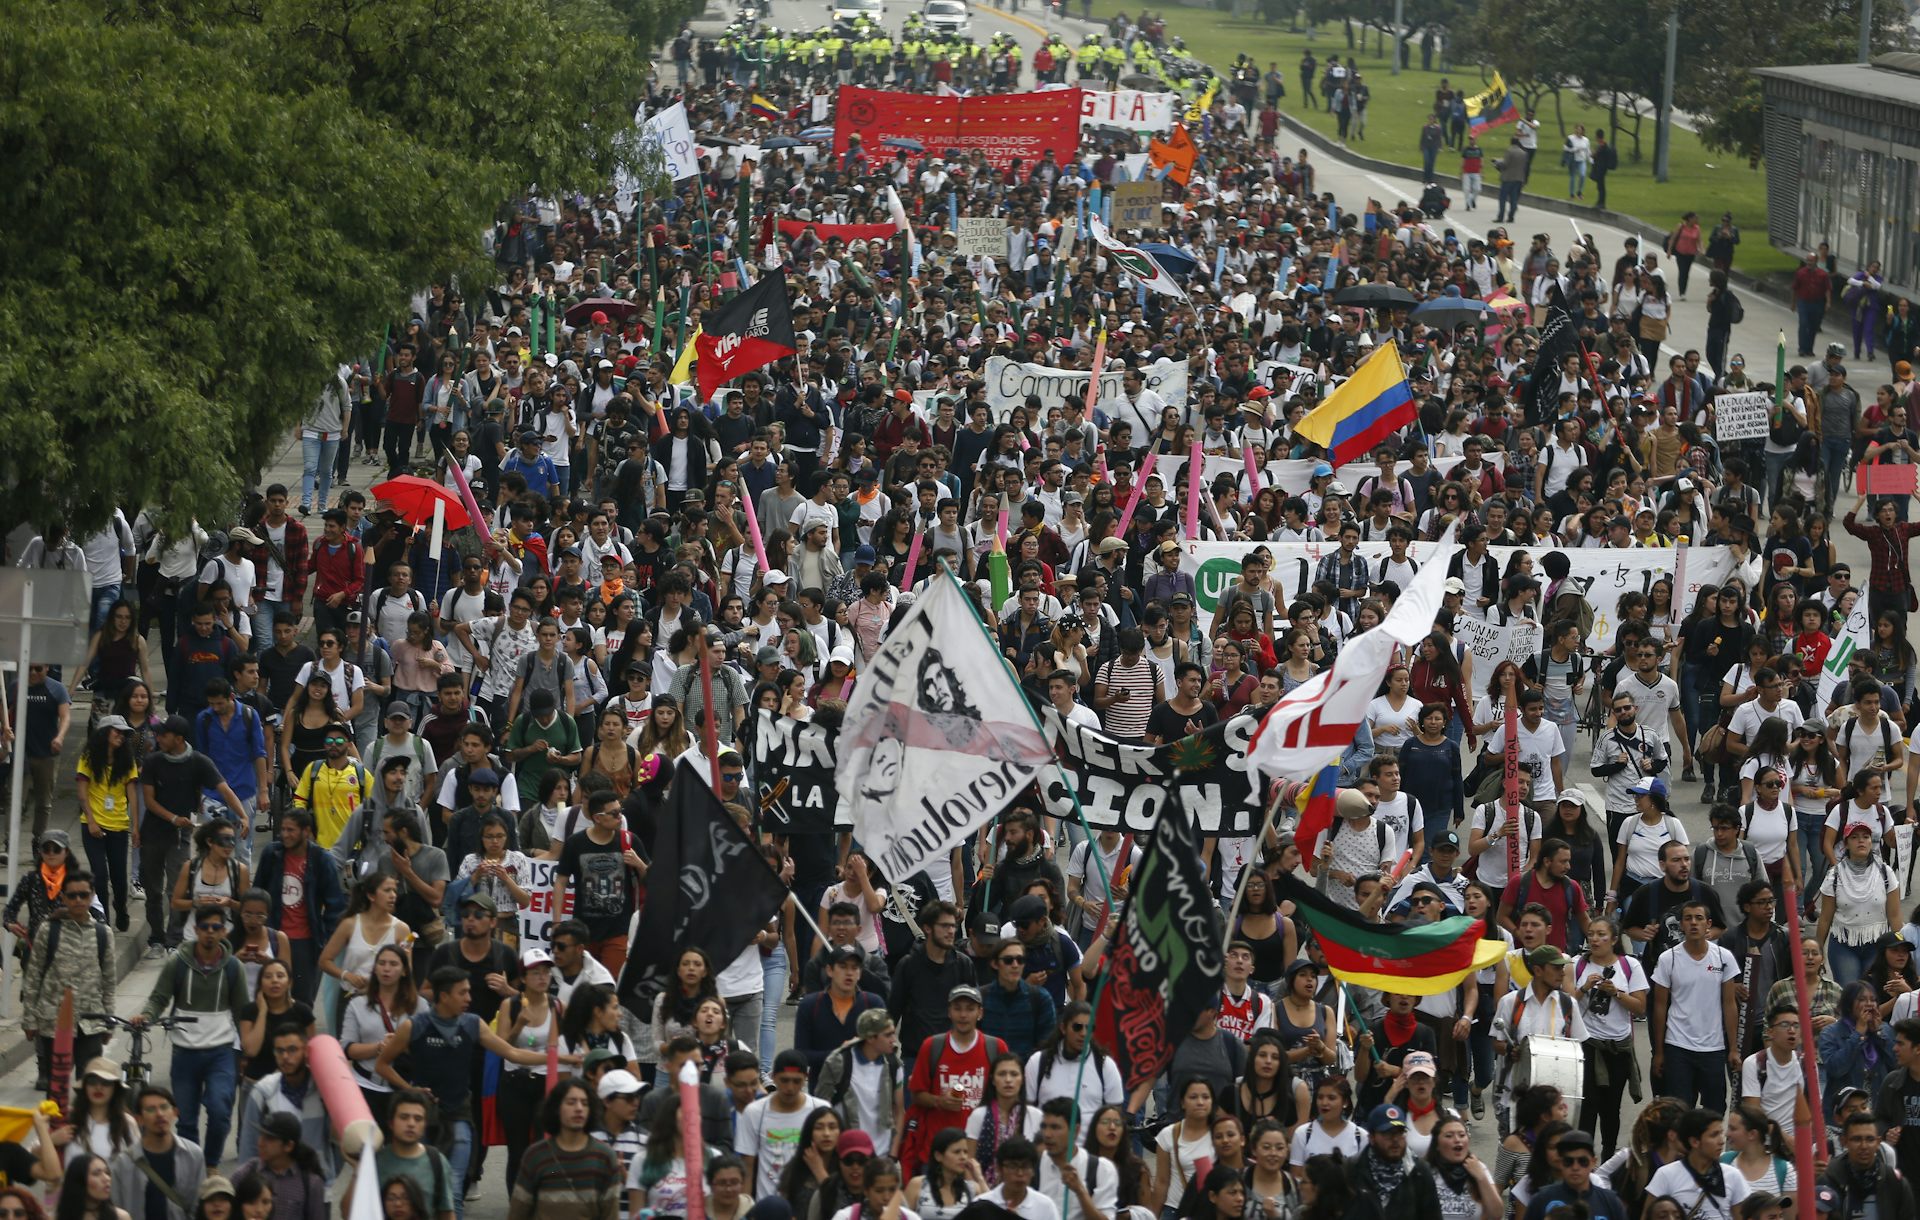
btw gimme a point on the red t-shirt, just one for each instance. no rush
(293, 898)
(1813, 647)
(1555, 898)
(964, 1071)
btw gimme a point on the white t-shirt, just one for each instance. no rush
(1182, 1154)
(1540, 745)
(1653, 703)
(773, 1139)
(240, 577)
(865, 1082)
(1768, 831)
(346, 679)
(1676, 1182)
(1392, 729)
(1693, 1005)
(1879, 816)
(1102, 1182)
(1400, 815)
(1782, 1089)
(1749, 716)
(1311, 1139)
(459, 606)
(1032, 1206)
(1643, 843)
(1493, 861)
(1629, 978)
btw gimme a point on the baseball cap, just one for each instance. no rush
(767, 655)
(281, 1126)
(1419, 1063)
(599, 1055)
(872, 1023)
(1455, 585)
(400, 709)
(964, 991)
(1386, 1118)
(856, 1141)
(845, 953)
(1825, 1198)
(483, 777)
(534, 955)
(1545, 955)
(865, 554)
(481, 899)
(1570, 796)
(1446, 838)
(619, 1083)
(1322, 470)
(1649, 785)
(176, 725)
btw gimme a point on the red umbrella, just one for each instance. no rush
(617, 311)
(414, 497)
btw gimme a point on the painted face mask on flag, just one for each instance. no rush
(751, 331)
(937, 738)
(1143, 267)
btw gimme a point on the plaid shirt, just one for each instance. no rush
(1346, 573)
(1889, 550)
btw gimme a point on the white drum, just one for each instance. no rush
(1559, 1062)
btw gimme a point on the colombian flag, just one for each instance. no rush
(1491, 107)
(766, 109)
(1316, 811)
(1413, 959)
(1364, 410)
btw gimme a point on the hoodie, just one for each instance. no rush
(213, 995)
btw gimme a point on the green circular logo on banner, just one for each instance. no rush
(1213, 579)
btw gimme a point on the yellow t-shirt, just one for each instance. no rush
(109, 805)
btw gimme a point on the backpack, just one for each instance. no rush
(1754, 866)
(845, 1053)
(413, 599)
(1576, 936)
(1736, 312)
(1379, 833)
(53, 945)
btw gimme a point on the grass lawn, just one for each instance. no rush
(1706, 182)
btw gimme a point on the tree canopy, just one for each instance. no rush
(211, 204)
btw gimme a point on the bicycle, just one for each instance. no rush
(138, 1034)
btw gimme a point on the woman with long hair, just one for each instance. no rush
(1002, 1114)
(1436, 677)
(847, 1186)
(418, 661)
(950, 1180)
(1534, 1109)
(1653, 1142)
(347, 961)
(1222, 1194)
(1612, 986)
(1859, 899)
(212, 877)
(587, 689)
(1759, 1150)
(253, 941)
(1416, 1089)
(1272, 1192)
(272, 1007)
(1181, 1144)
(1767, 749)
(99, 1123)
(117, 652)
(503, 874)
(817, 1160)
(1330, 1130)
(1572, 821)
(1304, 1024)
(1636, 860)
(1890, 658)
(304, 726)
(1543, 1165)
(665, 731)
(137, 706)
(1695, 633)
(526, 1020)
(86, 1192)
(1394, 714)
(106, 777)
(1108, 1136)
(1326, 1193)
(1491, 982)
(1892, 973)
(1270, 934)
(1812, 773)
(693, 981)
(591, 1021)
(1466, 1188)
(18, 1203)
(1269, 1091)
(662, 1179)
(388, 998)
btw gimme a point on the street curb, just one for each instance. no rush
(1622, 220)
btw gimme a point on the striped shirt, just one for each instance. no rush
(555, 1184)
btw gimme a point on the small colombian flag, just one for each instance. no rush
(766, 109)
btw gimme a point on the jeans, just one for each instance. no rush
(774, 969)
(1688, 1075)
(104, 597)
(1811, 831)
(306, 969)
(1576, 178)
(1811, 313)
(107, 857)
(1849, 962)
(1480, 1046)
(207, 1076)
(263, 615)
(744, 1015)
(162, 856)
(1777, 464)
(518, 1103)
(1835, 454)
(456, 1141)
(1509, 205)
(1690, 679)
(1427, 157)
(1600, 190)
(1470, 187)
(316, 471)
(39, 791)
(399, 447)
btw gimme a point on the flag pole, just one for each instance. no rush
(1093, 846)
(709, 733)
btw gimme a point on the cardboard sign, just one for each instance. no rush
(1136, 205)
(1741, 417)
(983, 235)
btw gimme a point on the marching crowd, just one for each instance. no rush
(464, 738)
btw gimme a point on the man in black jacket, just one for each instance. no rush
(1399, 1182)
(918, 1001)
(843, 928)
(1863, 1180)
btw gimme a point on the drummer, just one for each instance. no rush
(1542, 1008)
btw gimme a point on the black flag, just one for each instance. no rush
(1558, 340)
(1168, 960)
(726, 891)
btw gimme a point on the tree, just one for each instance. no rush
(208, 203)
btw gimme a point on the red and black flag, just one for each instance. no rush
(1168, 960)
(749, 332)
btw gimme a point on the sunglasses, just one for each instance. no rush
(215, 926)
(1078, 1027)
(47, 849)
(336, 741)
(87, 896)
(1578, 1158)
(733, 777)
(854, 1158)
(1012, 961)
(1771, 783)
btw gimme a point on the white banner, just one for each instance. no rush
(982, 235)
(1609, 573)
(1294, 476)
(1009, 382)
(536, 918)
(1741, 417)
(671, 133)
(1130, 109)
(937, 738)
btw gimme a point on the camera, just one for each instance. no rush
(1600, 1002)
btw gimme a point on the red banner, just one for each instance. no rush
(1008, 127)
(794, 228)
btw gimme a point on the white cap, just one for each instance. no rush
(618, 1083)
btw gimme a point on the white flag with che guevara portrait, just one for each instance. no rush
(937, 739)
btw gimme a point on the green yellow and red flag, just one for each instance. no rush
(1412, 959)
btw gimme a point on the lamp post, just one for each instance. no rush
(1663, 130)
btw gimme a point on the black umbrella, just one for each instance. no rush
(783, 142)
(1375, 296)
(904, 142)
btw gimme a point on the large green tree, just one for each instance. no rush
(209, 202)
